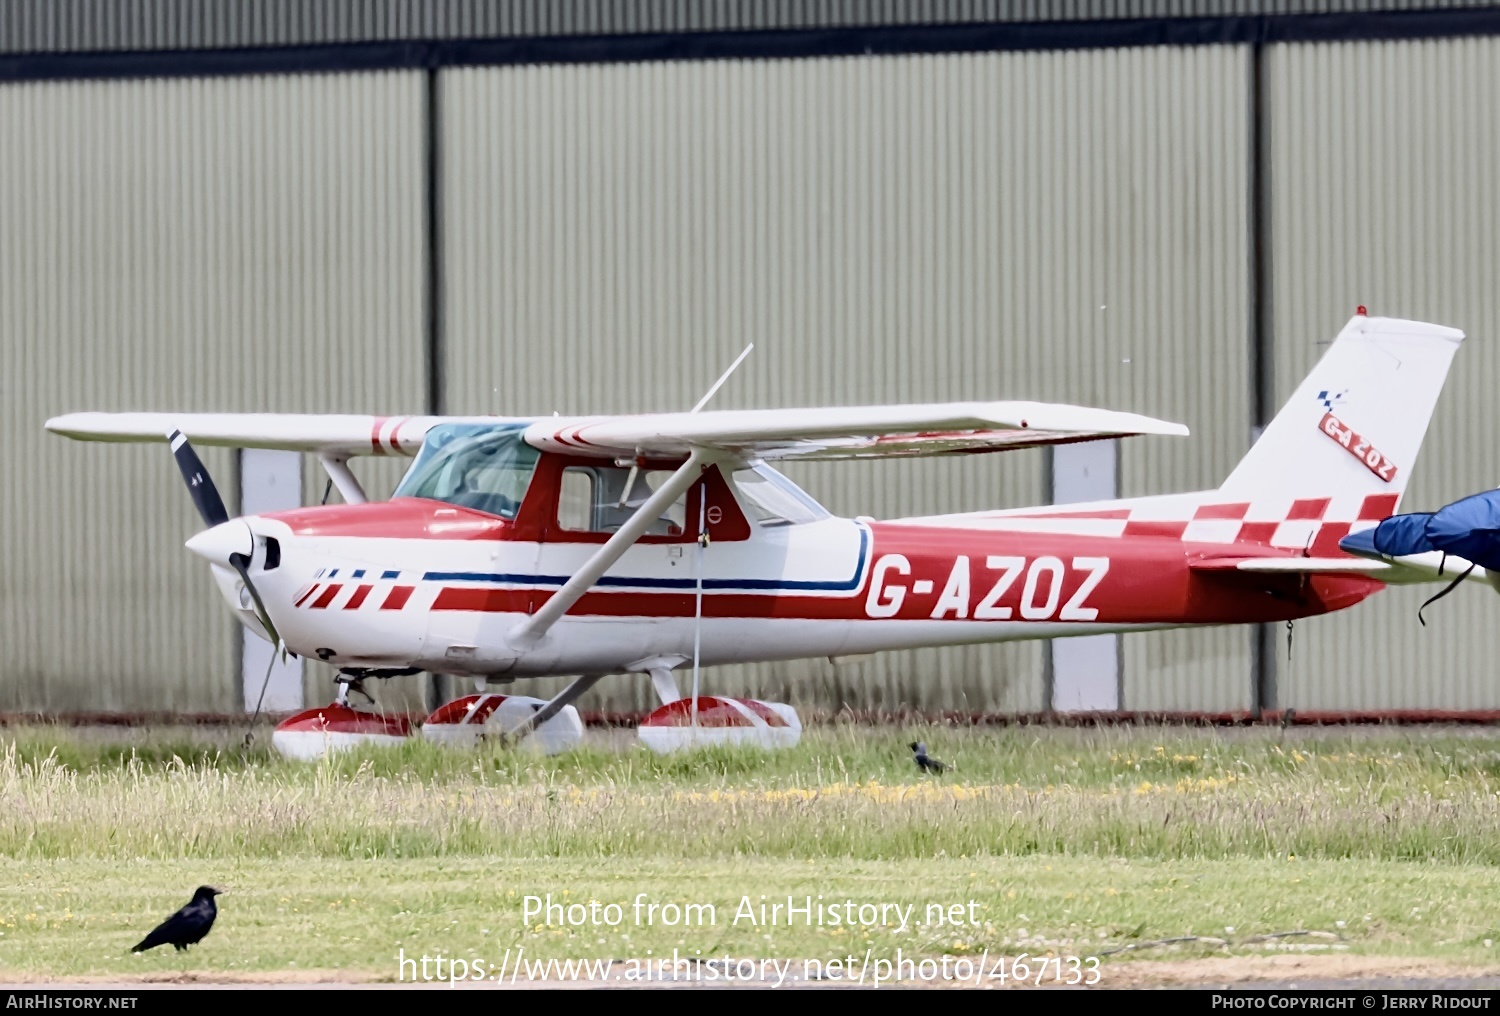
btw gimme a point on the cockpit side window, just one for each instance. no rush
(481, 466)
(593, 499)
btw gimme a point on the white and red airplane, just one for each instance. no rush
(518, 548)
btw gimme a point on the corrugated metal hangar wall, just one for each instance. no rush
(514, 231)
(234, 243)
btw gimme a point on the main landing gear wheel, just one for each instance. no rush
(475, 718)
(551, 727)
(315, 733)
(720, 720)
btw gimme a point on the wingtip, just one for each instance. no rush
(1165, 428)
(70, 424)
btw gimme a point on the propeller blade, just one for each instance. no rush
(211, 506)
(200, 485)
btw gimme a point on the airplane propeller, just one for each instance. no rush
(211, 507)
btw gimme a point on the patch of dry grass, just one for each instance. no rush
(844, 793)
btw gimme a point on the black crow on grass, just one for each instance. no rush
(932, 765)
(187, 926)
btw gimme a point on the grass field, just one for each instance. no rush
(1070, 842)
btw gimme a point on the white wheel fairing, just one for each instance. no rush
(309, 745)
(464, 721)
(314, 733)
(668, 739)
(721, 720)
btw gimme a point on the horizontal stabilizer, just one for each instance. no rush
(1400, 571)
(1469, 528)
(1291, 565)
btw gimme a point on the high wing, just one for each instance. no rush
(843, 432)
(322, 434)
(831, 433)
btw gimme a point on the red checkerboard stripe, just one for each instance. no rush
(1378, 506)
(1304, 522)
(1230, 512)
(1311, 509)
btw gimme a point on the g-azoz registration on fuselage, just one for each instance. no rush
(522, 548)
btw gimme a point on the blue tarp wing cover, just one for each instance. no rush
(1469, 529)
(1401, 535)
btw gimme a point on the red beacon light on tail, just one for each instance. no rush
(1361, 312)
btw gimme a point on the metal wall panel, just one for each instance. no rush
(247, 244)
(71, 25)
(884, 229)
(1384, 195)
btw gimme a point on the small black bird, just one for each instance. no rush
(923, 762)
(187, 926)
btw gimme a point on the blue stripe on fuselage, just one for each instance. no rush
(758, 585)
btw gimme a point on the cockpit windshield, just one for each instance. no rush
(482, 466)
(774, 500)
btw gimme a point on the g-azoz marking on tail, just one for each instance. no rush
(519, 548)
(1359, 447)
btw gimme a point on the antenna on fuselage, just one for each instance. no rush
(722, 378)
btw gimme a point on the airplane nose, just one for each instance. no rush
(216, 544)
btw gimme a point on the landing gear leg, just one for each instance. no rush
(665, 685)
(346, 684)
(662, 682)
(564, 699)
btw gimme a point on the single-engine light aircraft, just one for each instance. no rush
(520, 548)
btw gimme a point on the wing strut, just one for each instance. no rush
(530, 631)
(561, 701)
(337, 468)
